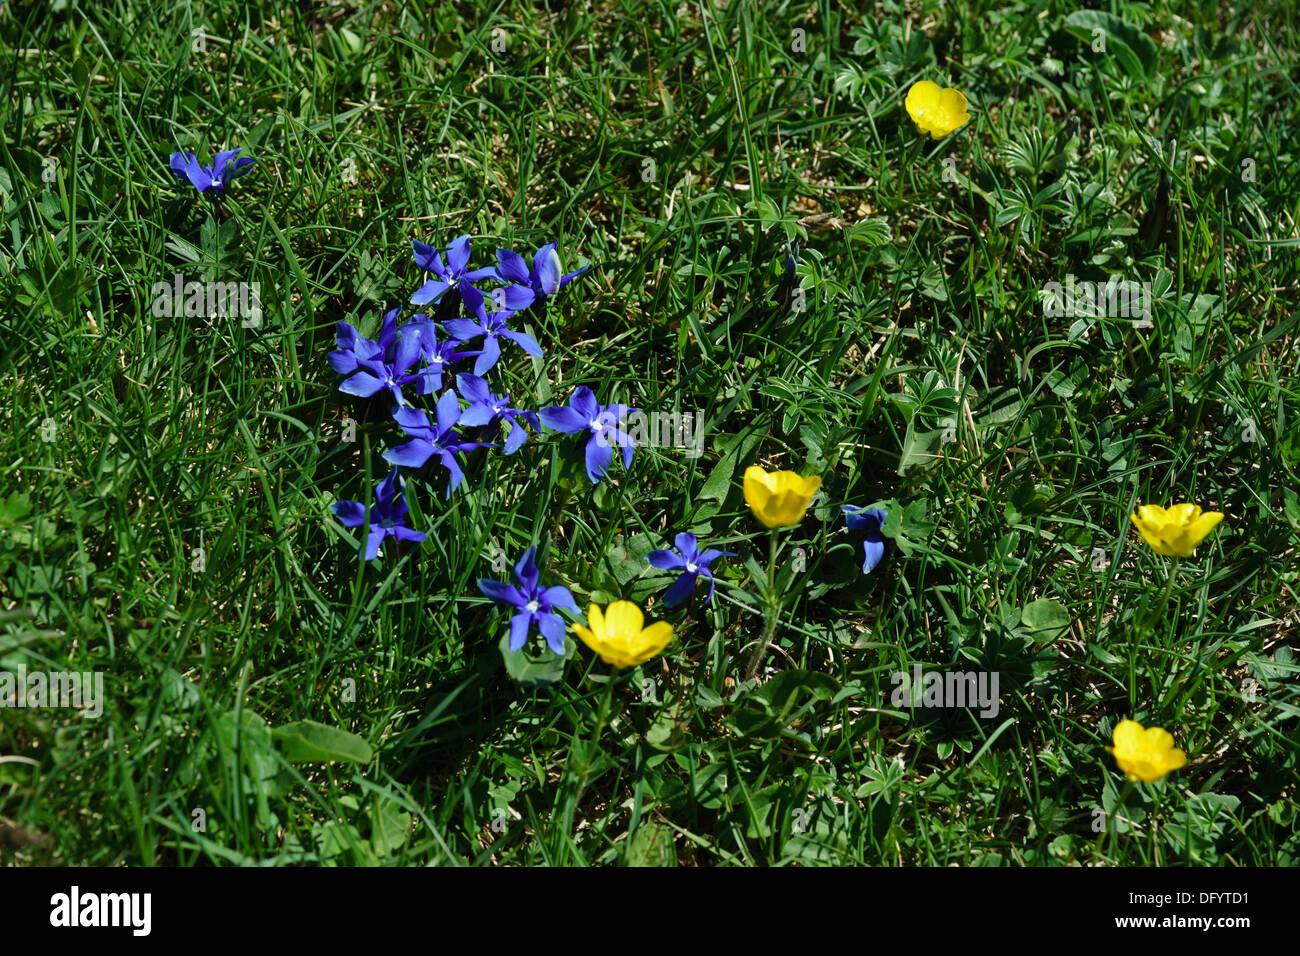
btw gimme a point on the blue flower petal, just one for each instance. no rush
(599, 456)
(411, 455)
(515, 440)
(526, 571)
(431, 291)
(362, 384)
(502, 593)
(524, 341)
(559, 596)
(681, 590)
(666, 560)
(873, 551)
(561, 418)
(552, 628)
(519, 625)
(351, 514)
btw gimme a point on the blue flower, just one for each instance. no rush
(373, 366)
(353, 350)
(387, 517)
(436, 354)
(491, 327)
(584, 414)
(543, 278)
(691, 563)
(449, 276)
(214, 178)
(536, 604)
(512, 298)
(428, 440)
(869, 520)
(485, 408)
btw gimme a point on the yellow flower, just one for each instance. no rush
(1175, 532)
(779, 498)
(935, 111)
(1145, 754)
(618, 637)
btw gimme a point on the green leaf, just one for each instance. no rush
(538, 671)
(919, 447)
(652, 845)
(778, 694)
(627, 560)
(719, 483)
(1291, 506)
(1135, 52)
(390, 826)
(306, 741)
(1047, 619)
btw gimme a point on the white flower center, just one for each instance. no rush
(532, 607)
(691, 568)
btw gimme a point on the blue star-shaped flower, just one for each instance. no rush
(387, 517)
(543, 278)
(212, 179)
(691, 562)
(449, 276)
(585, 414)
(437, 354)
(535, 604)
(485, 408)
(428, 439)
(375, 365)
(491, 327)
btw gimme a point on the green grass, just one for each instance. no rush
(1008, 446)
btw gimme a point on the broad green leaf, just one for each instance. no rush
(1047, 619)
(306, 741)
(528, 671)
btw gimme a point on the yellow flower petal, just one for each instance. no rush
(1174, 759)
(1127, 734)
(936, 111)
(1177, 530)
(779, 498)
(657, 635)
(623, 621)
(618, 637)
(1157, 738)
(1153, 514)
(1204, 524)
(1145, 754)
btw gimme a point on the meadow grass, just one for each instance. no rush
(164, 509)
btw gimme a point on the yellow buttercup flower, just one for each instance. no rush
(779, 498)
(1145, 753)
(936, 111)
(618, 637)
(1176, 531)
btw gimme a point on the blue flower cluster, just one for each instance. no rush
(415, 359)
(413, 362)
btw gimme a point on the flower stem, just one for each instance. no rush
(772, 605)
(1114, 832)
(1169, 586)
(602, 717)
